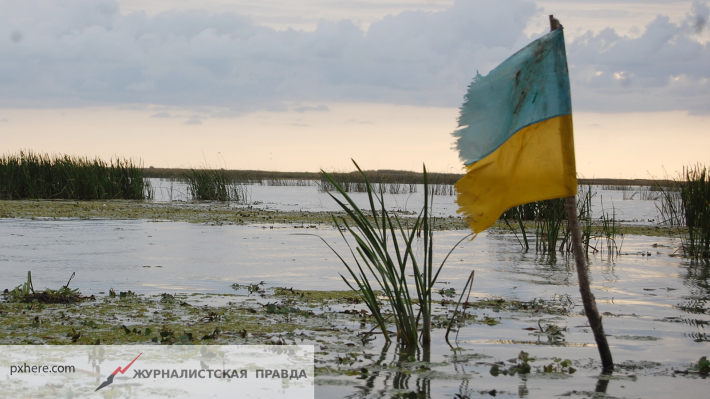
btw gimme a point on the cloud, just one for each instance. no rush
(79, 53)
(306, 108)
(194, 120)
(665, 68)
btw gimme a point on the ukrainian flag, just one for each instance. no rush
(515, 134)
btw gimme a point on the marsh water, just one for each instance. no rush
(654, 302)
(624, 205)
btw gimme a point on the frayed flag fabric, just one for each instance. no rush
(515, 134)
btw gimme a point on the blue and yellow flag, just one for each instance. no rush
(515, 134)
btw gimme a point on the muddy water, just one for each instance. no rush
(655, 304)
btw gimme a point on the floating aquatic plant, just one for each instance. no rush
(702, 366)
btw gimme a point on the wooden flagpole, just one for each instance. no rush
(590, 305)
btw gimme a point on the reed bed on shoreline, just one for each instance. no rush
(28, 175)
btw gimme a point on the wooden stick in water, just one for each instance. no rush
(590, 304)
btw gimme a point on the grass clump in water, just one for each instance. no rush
(702, 366)
(214, 185)
(26, 293)
(549, 218)
(386, 249)
(41, 176)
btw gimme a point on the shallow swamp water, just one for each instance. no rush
(181, 275)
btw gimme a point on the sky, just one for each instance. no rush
(309, 84)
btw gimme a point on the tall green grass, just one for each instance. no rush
(386, 256)
(42, 176)
(687, 203)
(214, 185)
(695, 194)
(610, 232)
(670, 206)
(551, 215)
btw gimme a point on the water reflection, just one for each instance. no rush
(603, 382)
(541, 269)
(697, 279)
(399, 380)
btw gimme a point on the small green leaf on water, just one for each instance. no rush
(703, 365)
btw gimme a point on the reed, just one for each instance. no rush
(548, 223)
(287, 182)
(687, 203)
(386, 256)
(584, 209)
(214, 185)
(391, 182)
(551, 214)
(695, 196)
(610, 232)
(670, 205)
(40, 176)
(27, 294)
(547, 217)
(617, 187)
(647, 193)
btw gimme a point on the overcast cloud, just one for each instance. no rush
(65, 53)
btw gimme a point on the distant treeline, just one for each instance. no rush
(620, 184)
(239, 175)
(377, 176)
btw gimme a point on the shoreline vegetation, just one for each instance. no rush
(264, 177)
(222, 213)
(31, 175)
(65, 187)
